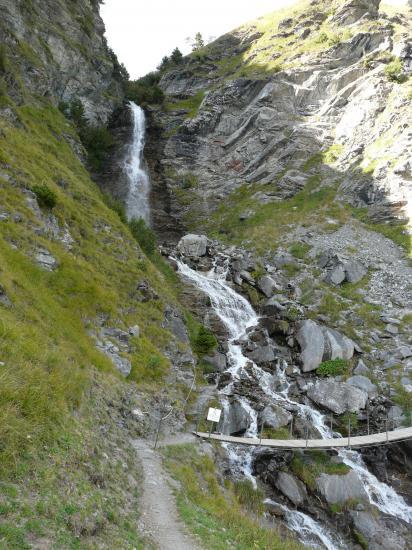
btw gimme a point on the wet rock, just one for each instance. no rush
(381, 533)
(217, 361)
(274, 509)
(364, 384)
(292, 488)
(273, 307)
(262, 354)
(236, 420)
(193, 246)
(341, 488)
(274, 417)
(338, 397)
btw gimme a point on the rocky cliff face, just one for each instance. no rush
(57, 49)
(319, 90)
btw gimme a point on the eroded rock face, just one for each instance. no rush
(274, 417)
(338, 397)
(353, 10)
(62, 68)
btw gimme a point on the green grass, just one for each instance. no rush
(270, 222)
(45, 340)
(191, 105)
(214, 512)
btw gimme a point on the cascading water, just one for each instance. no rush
(237, 315)
(138, 199)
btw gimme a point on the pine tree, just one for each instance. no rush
(177, 57)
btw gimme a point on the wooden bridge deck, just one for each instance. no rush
(354, 442)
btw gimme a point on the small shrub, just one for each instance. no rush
(143, 235)
(45, 196)
(205, 341)
(395, 72)
(3, 59)
(189, 181)
(334, 367)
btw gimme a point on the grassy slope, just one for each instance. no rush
(221, 517)
(50, 360)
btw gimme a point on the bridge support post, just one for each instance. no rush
(387, 432)
(367, 416)
(261, 432)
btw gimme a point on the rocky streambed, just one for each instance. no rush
(280, 370)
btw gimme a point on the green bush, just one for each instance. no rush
(45, 196)
(97, 141)
(395, 72)
(3, 59)
(143, 235)
(334, 367)
(205, 341)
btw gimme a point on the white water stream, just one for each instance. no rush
(138, 199)
(237, 315)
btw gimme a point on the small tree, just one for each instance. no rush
(199, 43)
(165, 63)
(177, 57)
(205, 341)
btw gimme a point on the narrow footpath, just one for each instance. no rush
(159, 519)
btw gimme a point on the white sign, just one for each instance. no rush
(214, 415)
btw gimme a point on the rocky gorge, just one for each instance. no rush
(277, 184)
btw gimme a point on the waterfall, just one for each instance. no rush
(138, 198)
(237, 315)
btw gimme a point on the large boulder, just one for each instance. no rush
(267, 285)
(338, 397)
(193, 246)
(292, 488)
(341, 488)
(319, 344)
(274, 417)
(341, 269)
(262, 354)
(381, 533)
(311, 340)
(364, 384)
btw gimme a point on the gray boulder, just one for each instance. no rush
(311, 340)
(267, 285)
(274, 417)
(341, 488)
(336, 275)
(338, 397)
(353, 10)
(292, 488)
(217, 361)
(319, 344)
(378, 533)
(363, 384)
(354, 271)
(193, 245)
(361, 369)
